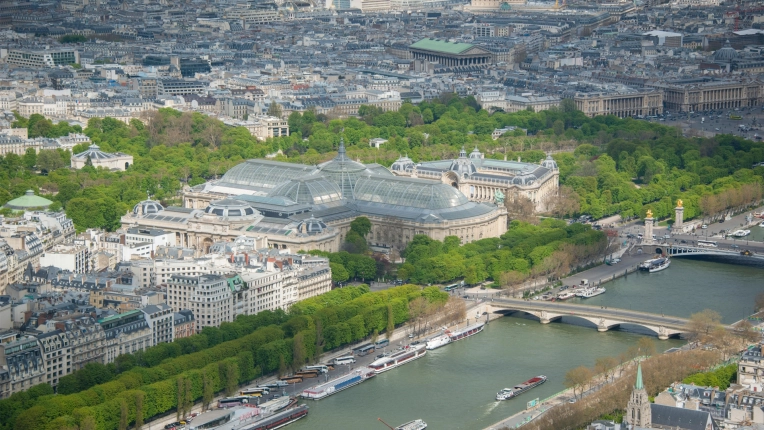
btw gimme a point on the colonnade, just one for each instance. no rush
(454, 62)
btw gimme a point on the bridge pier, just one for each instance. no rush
(544, 318)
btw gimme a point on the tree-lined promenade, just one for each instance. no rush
(172, 376)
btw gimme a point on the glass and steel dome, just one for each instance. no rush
(726, 53)
(231, 208)
(312, 226)
(402, 164)
(408, 192)
(549, 163)
(264, 173)
(343, 171)
(147, 207)
(313, 191)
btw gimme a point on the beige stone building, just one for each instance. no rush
(296, 207)
(698, 94)
(482, 179)
(98, 158)
(621, 104)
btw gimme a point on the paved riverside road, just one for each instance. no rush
(616, 314)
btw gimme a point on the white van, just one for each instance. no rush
(349, 359)
(321, 368)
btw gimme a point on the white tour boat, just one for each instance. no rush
(590, 292)
(438, 341)
(398, 358)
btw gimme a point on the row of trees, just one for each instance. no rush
(172, 376)
(605, 368)
(550, 249)
(658, 372)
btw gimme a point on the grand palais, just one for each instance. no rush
(298, 207)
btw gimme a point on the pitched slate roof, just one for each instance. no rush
(679, 418)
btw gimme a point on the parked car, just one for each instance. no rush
(704, 226)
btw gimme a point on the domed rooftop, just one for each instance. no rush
(549, 163)
(313, 191)
(463, 166)
(402, 164)
(311, 226)
(231, 208)
(94, 152)
(343, 171)
(524, 179)
(147, 207)
(726, 54)
(476, 153)
(408, 192)
(28, 201)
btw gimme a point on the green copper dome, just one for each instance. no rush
(28, 201)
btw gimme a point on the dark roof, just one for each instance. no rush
(679, 418)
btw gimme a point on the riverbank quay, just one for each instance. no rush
(660, 371)
(400, 337)
(565, 396)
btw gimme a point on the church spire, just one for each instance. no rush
(639, 385)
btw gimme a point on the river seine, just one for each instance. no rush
(454, 387)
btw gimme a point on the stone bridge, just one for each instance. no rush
(744, 254)
(603, 318)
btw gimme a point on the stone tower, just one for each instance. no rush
(638, 410)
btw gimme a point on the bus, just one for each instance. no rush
(364, 350)
(451, 287)
(348, 359)
(381, 343)
(230, 402)
(255, 392)
(708, 243)
(320, 367)
(736, 117)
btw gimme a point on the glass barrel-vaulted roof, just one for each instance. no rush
(343, 171)
(265, 173)
(409, 192)
(314, 191)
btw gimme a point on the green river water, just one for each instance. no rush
(454, 387)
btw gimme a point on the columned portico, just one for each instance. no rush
(451, 54)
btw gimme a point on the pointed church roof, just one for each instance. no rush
(639, 385)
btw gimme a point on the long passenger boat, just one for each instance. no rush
(336, 385)
(397, 358)
(467, 331)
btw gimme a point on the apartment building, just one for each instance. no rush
(177, 87)
(126, 333)
(207, 296)
(161, 320)
(72, 258)
(21, 364)
(42, 58)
